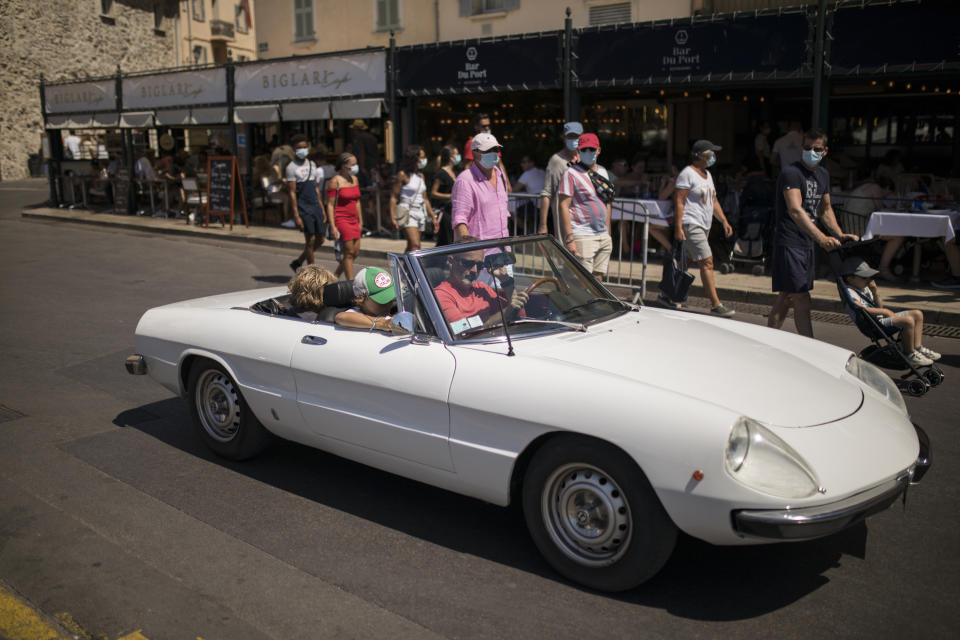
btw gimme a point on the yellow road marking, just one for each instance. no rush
(136, 635)
(18, 621)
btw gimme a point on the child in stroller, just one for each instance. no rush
(860, 297)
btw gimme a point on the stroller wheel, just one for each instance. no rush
(726, 267)
(757, 270)
(916, 387)
(933, 376)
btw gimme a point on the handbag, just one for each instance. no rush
(676, 281)
(401, 213)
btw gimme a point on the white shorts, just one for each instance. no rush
(696, 244)
(417, 218)
(595, 251)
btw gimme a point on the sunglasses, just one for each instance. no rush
(469, 264)
(808, 147)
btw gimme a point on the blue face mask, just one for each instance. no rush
(489, 160)
(422, 163)
(712, 160)
(303, 153)
(457, 159)
(572, 144)
(811, 158)
(587, 158)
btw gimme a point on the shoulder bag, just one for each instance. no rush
(676, 281)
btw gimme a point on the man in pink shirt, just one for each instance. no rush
(479, 196)
(467, 303)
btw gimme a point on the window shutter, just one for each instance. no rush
(466, 8)
(382, 19)
(610, 14)
(511, 5)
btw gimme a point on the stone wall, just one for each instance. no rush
(67, 39)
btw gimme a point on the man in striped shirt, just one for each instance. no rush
(584, 217)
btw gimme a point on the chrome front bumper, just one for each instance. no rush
(813, 522)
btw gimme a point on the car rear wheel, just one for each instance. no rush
(223, 418)
(594, 516)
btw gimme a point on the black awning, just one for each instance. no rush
(731, 48)
(903, 37)
(469, 66)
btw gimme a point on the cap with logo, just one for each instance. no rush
(376, 283)
(573, 127)
(704, 145)
(854, 266)
(484, 141)
(589, 141)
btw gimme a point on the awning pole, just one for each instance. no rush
(567, 53)
(816, 119)
(392, 98)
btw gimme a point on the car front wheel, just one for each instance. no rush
(220, 413)
(594, 516)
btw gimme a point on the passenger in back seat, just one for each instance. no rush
(306, 290)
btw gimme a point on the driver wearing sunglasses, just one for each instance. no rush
(466, 302)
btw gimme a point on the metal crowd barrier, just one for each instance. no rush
(633, 216)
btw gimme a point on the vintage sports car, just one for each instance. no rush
(512, 375)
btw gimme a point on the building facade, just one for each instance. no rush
(215, 31)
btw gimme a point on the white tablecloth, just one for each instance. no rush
(927, 224)
(631, 209)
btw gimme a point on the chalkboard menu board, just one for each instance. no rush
(121, 191)
(220, 187)
(223, 177)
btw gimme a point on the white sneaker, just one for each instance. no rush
(917, 359)
(289, 224)
(930, 353)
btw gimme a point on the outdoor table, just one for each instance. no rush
(656, 211)
(934, 223)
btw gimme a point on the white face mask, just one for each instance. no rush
(457, 159)
(355, 169)
(422, 163)
(489, 160)
(303, 153)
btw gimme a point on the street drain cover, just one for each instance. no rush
(7, 414)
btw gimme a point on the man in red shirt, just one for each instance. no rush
(467, 303)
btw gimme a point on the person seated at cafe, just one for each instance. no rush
(306, 290)
(143, 169)
(374, 297)
(466, 302)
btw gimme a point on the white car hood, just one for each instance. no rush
(780, 380)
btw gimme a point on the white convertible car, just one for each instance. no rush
(613, 425)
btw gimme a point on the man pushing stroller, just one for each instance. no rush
(862, 291)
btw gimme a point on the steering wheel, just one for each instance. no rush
(544, 280)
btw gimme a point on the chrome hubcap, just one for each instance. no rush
(218, 405)
(586, 514)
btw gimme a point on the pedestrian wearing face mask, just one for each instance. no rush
(803, 200)
(584, 216)
(440, 192)
(555, 169)
(303, 181)
(481, 124)
(409, 206)
(695, 206)
(479, 196)
(344, 214)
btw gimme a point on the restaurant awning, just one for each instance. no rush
(306, 111)
(173, 117)
(208, 115)
(136, 119)
(351, 109)
(256, 113)
(72, 121)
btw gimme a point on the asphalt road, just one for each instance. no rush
(114, 516)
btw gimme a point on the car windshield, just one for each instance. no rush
(531, 284)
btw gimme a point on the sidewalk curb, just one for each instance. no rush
(932, 316)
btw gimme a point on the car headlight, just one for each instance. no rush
(759, 459)
(877, 380)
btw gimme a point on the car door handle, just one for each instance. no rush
(313, 340)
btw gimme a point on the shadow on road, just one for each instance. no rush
(700, 582)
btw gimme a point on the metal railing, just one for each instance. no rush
(633, 216)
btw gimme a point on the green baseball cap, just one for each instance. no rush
(376, 283)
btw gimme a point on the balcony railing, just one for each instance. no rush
(221, 29)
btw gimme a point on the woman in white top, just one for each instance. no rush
(695, 206)
(408, 206)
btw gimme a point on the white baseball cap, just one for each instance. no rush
(484, 141)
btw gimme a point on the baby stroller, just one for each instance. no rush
(885, 350)
(753, 226)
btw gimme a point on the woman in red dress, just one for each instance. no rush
(343, 211)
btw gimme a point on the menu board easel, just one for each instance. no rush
(223, 181)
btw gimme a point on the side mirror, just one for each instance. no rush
(403, 324)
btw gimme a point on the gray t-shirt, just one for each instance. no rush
(554, 175)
